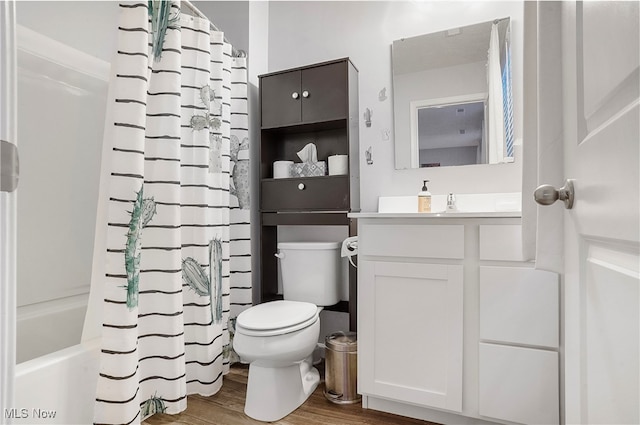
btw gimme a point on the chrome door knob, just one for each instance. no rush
(295, 95)
(547, 194)
(305, 94)
(301, 186)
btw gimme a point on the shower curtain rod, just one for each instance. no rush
(195, 10)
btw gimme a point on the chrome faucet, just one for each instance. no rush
(451, 202)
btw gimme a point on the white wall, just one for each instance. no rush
(230, 17)
(306, 32)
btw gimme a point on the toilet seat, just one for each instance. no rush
(276, 318)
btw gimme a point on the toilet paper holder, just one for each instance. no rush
(350, 249)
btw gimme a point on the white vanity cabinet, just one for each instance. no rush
(453, 325)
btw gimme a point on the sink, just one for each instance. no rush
(473, 204)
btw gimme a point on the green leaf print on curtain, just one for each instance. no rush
(143, 212)
(194, 275)
(152, 406)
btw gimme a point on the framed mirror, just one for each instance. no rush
(452, 96)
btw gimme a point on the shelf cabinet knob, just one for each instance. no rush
(301, 186)
(305, 94)
(295, 95)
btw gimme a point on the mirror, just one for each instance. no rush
(452, 97)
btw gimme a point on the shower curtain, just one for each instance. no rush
(178, 252)
(496, 127)
(507, 95)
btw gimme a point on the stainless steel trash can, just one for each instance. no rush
(341, 368)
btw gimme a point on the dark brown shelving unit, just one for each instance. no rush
(310, 104)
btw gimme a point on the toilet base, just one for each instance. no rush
(274, 392)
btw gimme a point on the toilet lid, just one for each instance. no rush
(276, 315)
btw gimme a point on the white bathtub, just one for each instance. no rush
(58, 388)
(49, 326)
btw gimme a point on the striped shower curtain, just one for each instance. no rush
(507, 96)
(495, 102)
(178, 251)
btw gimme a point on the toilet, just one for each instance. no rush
(278, 338)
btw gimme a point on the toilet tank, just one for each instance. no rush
(311, 271)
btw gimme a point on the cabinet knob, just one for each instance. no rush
(305, 94)
(295, 95)
(301, 186)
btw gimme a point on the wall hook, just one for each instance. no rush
(367, 117)
(382, 96)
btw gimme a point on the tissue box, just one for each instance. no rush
(308, 169)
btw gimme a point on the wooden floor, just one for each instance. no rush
(227, 408)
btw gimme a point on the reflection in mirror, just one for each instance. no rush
(452, 97)
(449, 133)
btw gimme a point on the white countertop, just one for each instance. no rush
(476, 205)
(438, 215)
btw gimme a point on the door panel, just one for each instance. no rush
(603, 148)
(612, 330)
(610, 74)
(327, 88)
(279, 107)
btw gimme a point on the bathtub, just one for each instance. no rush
(58, 388)
(49, 326)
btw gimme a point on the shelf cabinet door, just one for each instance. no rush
(279, 106)
(310, 95)
(410, 332)
(326, 87)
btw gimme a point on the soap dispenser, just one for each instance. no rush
(424, 198)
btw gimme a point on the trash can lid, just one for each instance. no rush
(342, 341)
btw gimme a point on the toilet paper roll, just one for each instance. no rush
(338, 165)
(281, 169)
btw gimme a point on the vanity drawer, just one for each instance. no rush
(417, 241)
(326, 193)
(501, 242)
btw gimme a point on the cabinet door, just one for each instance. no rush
(410, 332)
(326, 90)
(280, 99)
(519, 306)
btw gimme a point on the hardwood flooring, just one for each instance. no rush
(227, 408)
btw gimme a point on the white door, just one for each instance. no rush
(8, 183)
(600, 107)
